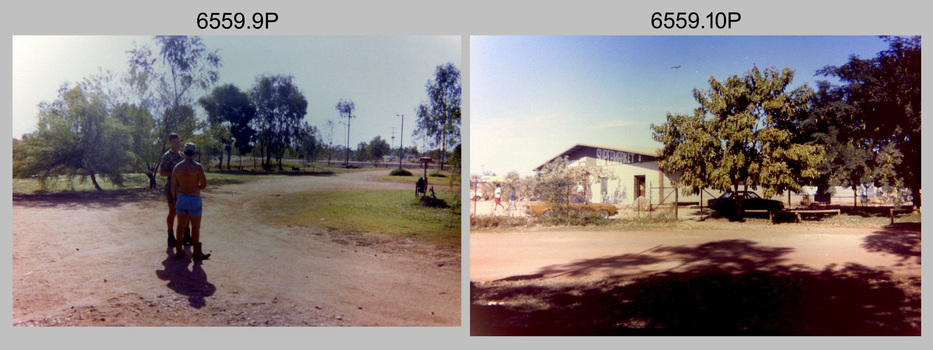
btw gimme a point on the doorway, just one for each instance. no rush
(639, 186)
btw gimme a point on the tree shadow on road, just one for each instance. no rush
(732, 287)
(87, 199)
(190, 283)
(901, 239)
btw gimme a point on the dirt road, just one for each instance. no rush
(712, 279)
(93, 261)
(495, 256)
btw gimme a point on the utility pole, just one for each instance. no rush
(401, 138)
(348, 144)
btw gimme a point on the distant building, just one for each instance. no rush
(637, 175)
(635, 168)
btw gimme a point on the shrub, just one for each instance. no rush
(400, 172)
(565, 215)
(437, 173)
(491, 221)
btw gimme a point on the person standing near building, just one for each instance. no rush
(497, 197)
(167, 163)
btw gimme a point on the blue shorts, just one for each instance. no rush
(190, 205)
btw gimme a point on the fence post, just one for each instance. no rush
(649, 199)
(701, 205)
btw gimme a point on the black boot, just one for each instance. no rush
(198, 254)
(187, 239)
(171, 238)
(179, 250)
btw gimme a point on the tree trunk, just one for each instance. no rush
(443, 149)
(915, 193)
(228, 158)
(94, 180)
(855, 192)
(152, 180)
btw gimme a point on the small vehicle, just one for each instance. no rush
(541, 208)
(726, 203)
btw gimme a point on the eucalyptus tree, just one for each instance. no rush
(439, 118)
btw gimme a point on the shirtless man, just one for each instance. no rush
(168, 161)
(188, 182)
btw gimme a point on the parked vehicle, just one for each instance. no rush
(540, 208)
(726, 203)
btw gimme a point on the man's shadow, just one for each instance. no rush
(191, 283)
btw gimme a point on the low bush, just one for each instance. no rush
(400, 172)
(562, 215)
(494, 222)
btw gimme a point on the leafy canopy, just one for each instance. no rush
(744, 133)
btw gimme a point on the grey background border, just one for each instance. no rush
(410, 17)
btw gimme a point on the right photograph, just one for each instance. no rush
(695, 185)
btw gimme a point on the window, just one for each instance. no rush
(575, 198)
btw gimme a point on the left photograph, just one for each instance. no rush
(236, 181)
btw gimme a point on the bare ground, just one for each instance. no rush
(93, 260)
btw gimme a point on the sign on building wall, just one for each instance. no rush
(617, 156)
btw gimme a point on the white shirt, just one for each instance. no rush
(498, 192)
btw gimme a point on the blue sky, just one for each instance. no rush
(532, 97)
(383, 75)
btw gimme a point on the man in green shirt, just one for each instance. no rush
(171, 158)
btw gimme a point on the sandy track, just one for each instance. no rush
(101, 263)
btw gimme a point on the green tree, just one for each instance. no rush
(139, 123)
(439, 118)
(232, 110)
(76, 137)
(743, 134)
(346, 108)
(456, 157)
(209, 144)
(849, 154)
(280, 109)
(163, 83)
(360, 152)
(307, 142)
(884, 98)
(377, 148)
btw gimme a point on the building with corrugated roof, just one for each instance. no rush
(635, 170)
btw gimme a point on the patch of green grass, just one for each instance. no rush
(394, 212)
(214, 179)
(77, 184)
